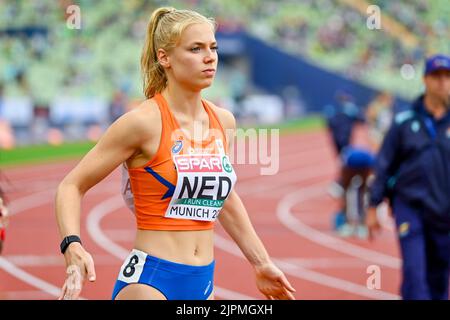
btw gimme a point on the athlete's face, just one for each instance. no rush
(193, 62)
(438, 85)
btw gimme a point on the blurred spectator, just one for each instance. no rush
(117, 106)
(379, 115)
(326, 31)
(356, 168)
(40, 60)
(6, 132)
(341, 118)
(1, 97)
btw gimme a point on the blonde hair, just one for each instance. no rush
(163, 32)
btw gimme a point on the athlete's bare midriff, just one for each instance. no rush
(187, 247)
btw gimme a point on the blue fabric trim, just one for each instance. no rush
(170, 186)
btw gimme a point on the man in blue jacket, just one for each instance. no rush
(412, 170)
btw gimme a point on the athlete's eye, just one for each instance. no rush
(195, 49)
(215, 48)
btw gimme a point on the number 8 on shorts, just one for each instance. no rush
(132, 268)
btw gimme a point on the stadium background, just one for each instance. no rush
(281, 63)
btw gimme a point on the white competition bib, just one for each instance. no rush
(203, 184)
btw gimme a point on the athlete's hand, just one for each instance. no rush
(80, 266)
(372, 223)
(272, 282)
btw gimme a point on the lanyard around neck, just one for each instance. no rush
(431, 128)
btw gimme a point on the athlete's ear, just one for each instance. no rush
(163, 58)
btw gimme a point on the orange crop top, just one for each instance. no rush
(184, 185)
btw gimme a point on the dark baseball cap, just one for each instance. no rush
(437, 62)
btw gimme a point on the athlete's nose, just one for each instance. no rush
(210, 56)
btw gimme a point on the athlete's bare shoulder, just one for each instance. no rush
(142, 127)
(144, 120)
(225, 116)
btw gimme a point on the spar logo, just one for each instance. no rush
(201, 163)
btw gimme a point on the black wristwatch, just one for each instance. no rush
(68, 240)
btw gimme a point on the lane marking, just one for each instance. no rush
(30, 260)
(28, 278)
(310, 275)
(286, 217)
(286, 177)
(286, 264)
(326, 263)
(18, 206)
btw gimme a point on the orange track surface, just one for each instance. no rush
(291, 212)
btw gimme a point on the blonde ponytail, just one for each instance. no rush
(163, 32)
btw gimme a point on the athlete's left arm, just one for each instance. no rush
(234, 218)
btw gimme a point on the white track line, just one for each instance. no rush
(287, 219)
(17, 206)
(314, 235)
(32, 186)
(290, 158)
(42, 167)
(283, 179)
(25, 295)
(26, 277)
(326, 263)
(41, 198)
(31, 201)
(30, 260)
(93, 226)
(310, 275)
(296, 225)
(231, 295)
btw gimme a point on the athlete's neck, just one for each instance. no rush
(182, 101)
(434, 106)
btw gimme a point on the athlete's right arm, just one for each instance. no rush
(122, 140)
